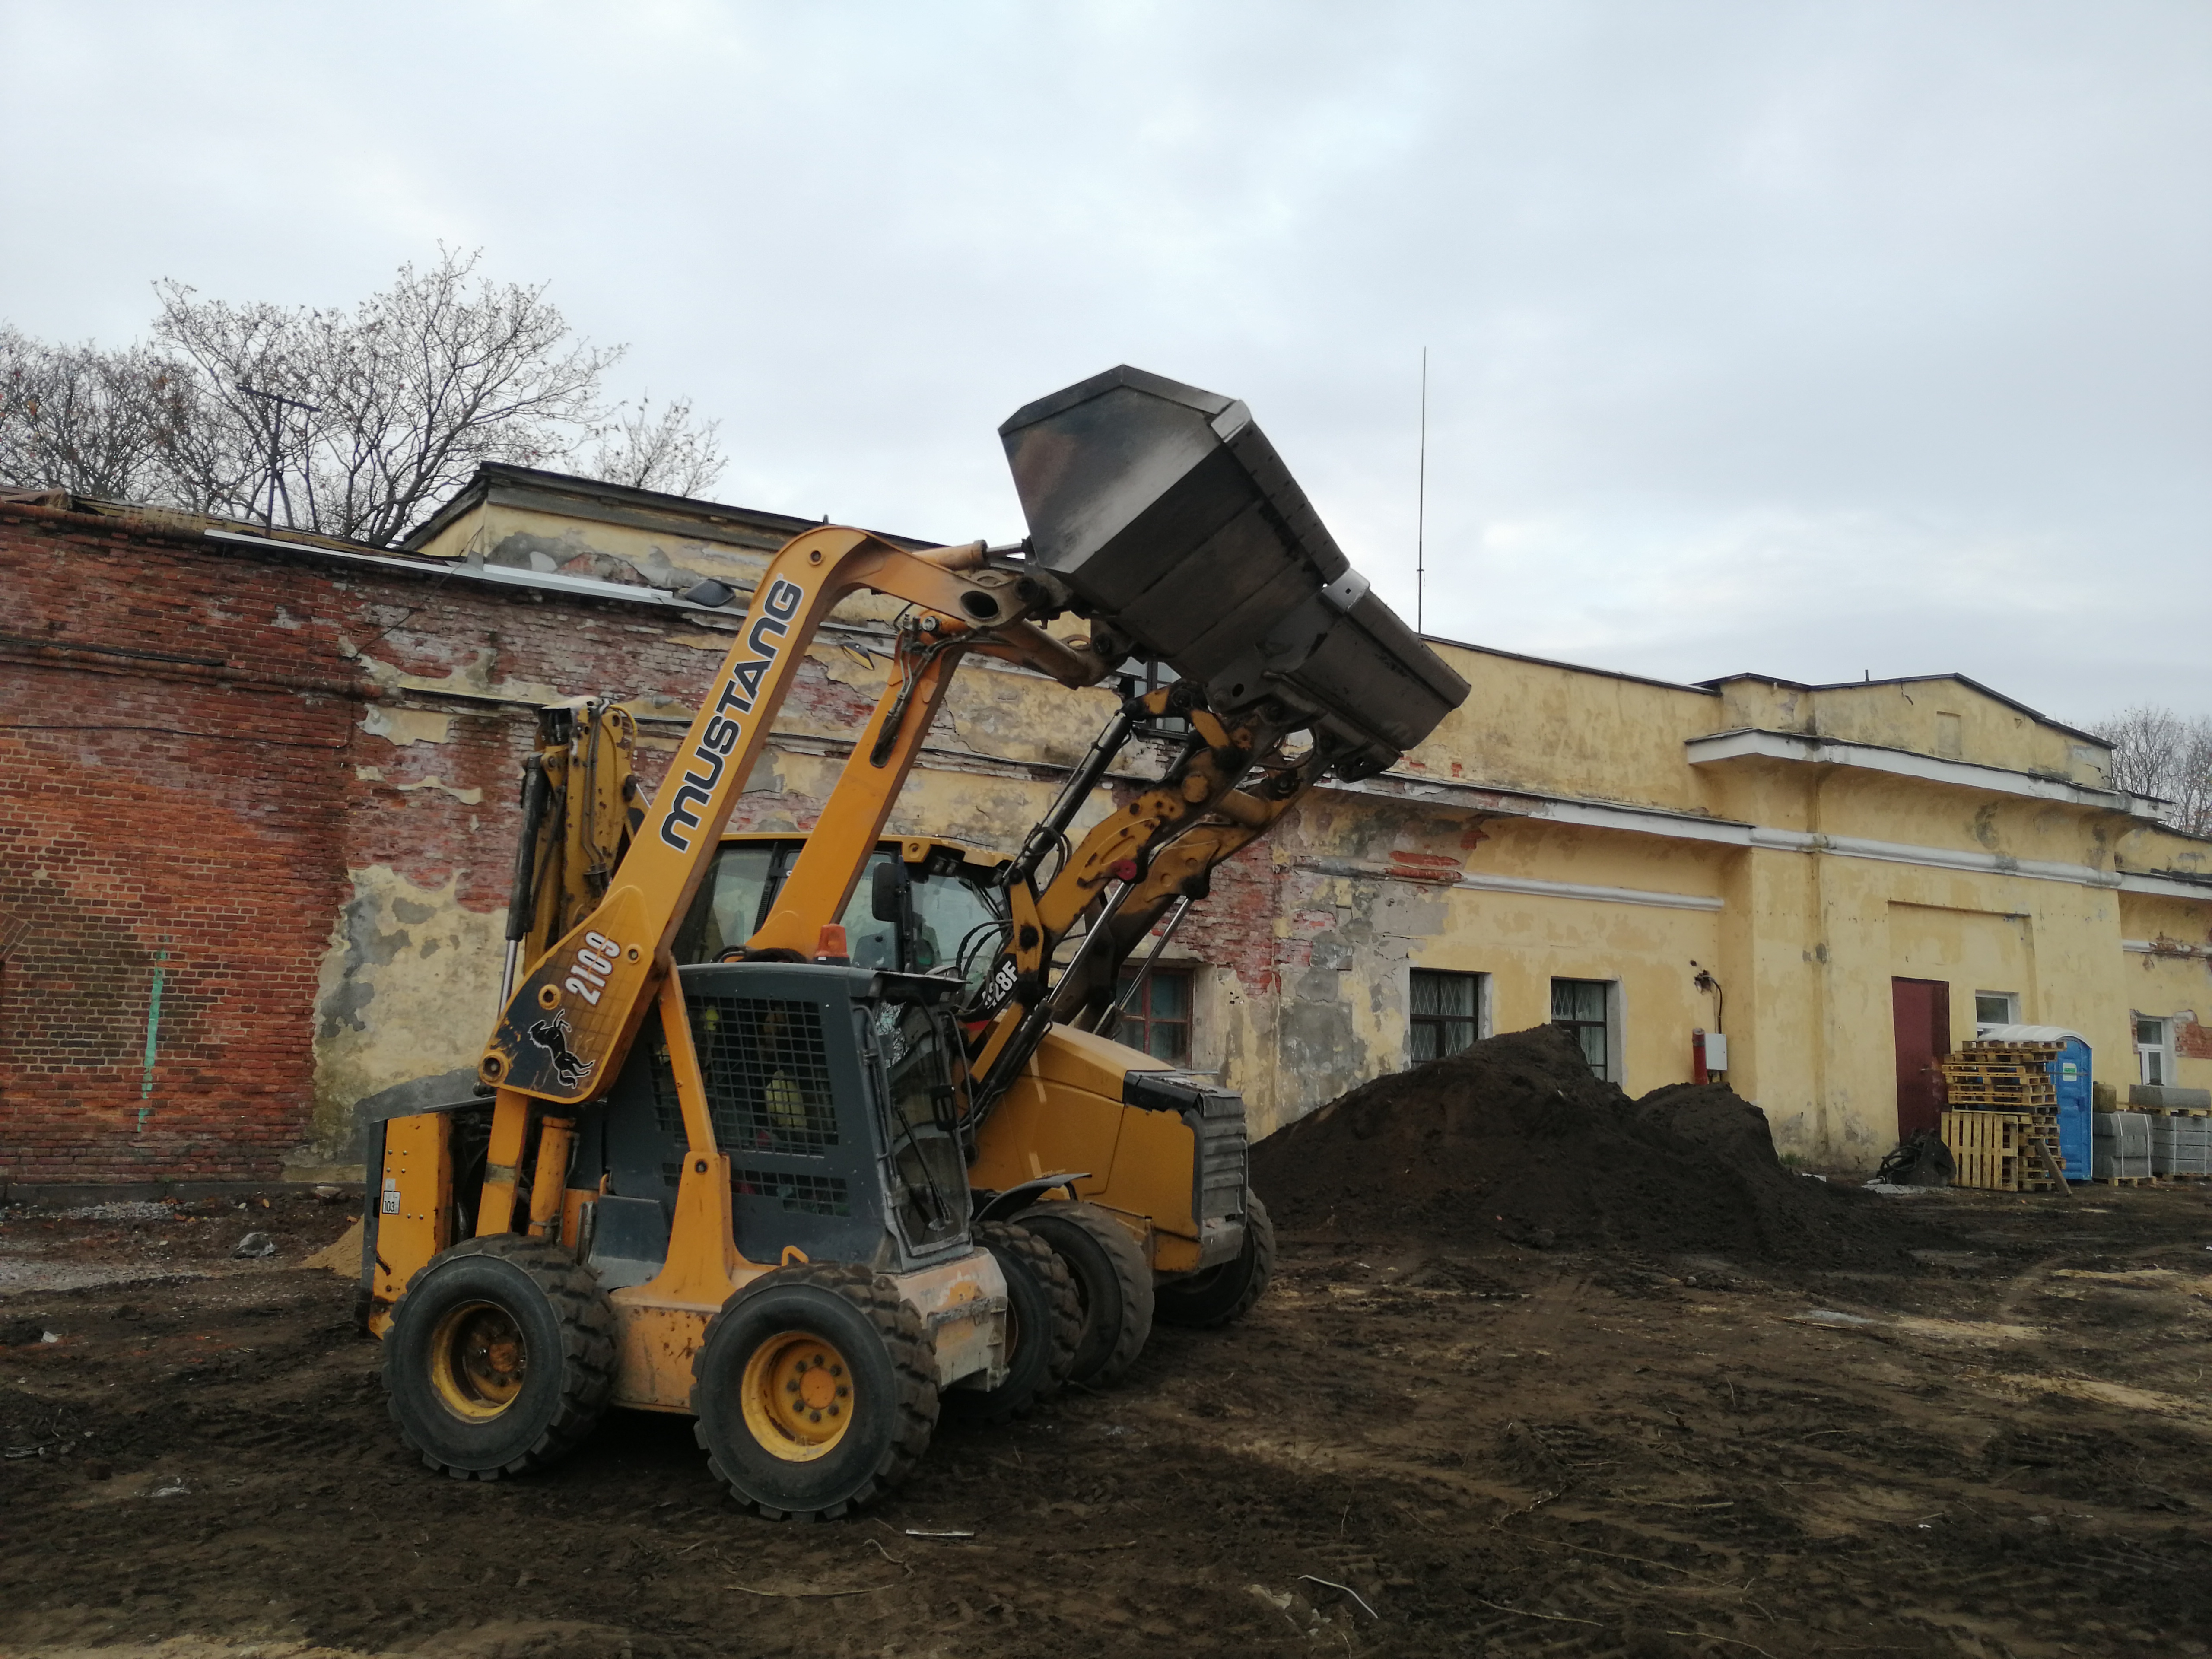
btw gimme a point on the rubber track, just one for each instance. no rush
(1018, 1242)
(912, 1357)
(1130, 1273)
(587, 1328)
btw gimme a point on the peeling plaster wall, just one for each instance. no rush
(289, 786)
(408, 988)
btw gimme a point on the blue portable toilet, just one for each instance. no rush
(2070, 1072)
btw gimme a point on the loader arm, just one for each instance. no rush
(567, 1026)
(1160, 845)
(929, 651)
(581, 808)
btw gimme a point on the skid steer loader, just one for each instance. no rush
(745, 1186)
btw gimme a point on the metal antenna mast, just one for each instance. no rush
(1421, 504)
(275, 447)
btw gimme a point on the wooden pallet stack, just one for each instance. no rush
(2003, 1127)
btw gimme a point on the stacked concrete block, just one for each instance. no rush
(2181, 1145)
(2122, 1146)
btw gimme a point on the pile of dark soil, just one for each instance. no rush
(1514, 1137)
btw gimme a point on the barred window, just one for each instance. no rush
(1446, 1013)
(1584, 1006)
(1159, 1021)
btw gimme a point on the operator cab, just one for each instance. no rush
(832, 1090)
(946, 895)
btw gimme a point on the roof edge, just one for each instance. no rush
(1966, 680)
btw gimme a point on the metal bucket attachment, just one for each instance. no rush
(1170, 516)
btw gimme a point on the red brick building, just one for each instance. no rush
(191, 773)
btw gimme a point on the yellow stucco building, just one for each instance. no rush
(1838, 881)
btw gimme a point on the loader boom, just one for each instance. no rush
(565, 1028)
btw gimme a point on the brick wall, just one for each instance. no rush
(188, 773)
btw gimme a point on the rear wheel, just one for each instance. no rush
(1216, 1296)
(1113, 1282)
(1044, 1323)
(500, 1357)
(816, 1390)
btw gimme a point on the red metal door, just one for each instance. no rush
(1920, 1010)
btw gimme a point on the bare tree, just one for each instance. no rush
(354, 423)
(92, 422)
(665, 452)
(390, 407)
(2156, 751)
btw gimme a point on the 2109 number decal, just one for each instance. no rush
(588, 973)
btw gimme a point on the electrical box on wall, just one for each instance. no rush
(1716, 1052)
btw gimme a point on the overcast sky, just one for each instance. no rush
(1812, 340)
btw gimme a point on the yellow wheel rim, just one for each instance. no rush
(797, 1395)
(478, 1360)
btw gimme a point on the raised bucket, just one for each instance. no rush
(1169, 514)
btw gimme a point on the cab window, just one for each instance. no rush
(727, 910)
(871, 944)
(954, 928)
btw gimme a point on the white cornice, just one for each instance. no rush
(2167, 947)
(1480, 882)
(1558, 809)
(1726, 832)
(1936, 858)
(2166, 887)
(1804, 749)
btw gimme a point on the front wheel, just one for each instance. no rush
(500, 1357)
(1044, 1323)
(1113, 1282)
(816, 1391)
(1216, 1296)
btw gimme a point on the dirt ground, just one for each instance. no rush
(2001, 1447)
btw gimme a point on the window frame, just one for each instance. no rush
(2160, 1052)
(1608, 1026)
(1478, 1020)
(2011, 1000)
(1134, 1026)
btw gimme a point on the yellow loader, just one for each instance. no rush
(772, 1182)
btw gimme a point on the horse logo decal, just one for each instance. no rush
(552, 1035)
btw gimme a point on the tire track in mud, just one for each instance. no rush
(1508, 1452)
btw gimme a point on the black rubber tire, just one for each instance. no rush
(894, 1381)
(1045, 1322)
(568, 1331)
(1113, 1283)
(1214, 1296)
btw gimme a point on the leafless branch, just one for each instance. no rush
(89, 421)
(667, 452)
(2158, 752)
(353, 423)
